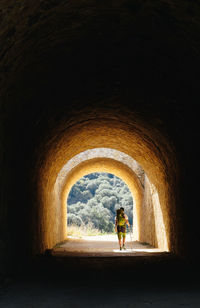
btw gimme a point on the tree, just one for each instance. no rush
(95, 199)
(72, 219)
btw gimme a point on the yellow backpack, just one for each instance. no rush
(121, 221)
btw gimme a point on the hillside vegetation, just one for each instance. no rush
(94, 199)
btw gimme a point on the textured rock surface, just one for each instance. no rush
(83, 74)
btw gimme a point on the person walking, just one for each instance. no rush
(121, 220)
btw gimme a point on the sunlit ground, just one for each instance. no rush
(102, 245)
(137, 249)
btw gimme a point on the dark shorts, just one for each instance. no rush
(121, 231)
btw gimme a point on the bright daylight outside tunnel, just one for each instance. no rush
(92, 203)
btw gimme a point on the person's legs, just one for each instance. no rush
(123, 229)
(120, 239)
(124, 239)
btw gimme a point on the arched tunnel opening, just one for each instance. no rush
(80, 77)
(149, 220)
(91, 206)
(157, 201)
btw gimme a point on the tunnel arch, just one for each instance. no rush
(101, 160)
(157, 160)
(110, 166)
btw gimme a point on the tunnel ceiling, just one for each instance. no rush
(58, 58)
(51, 45)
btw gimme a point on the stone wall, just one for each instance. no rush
(148, 217)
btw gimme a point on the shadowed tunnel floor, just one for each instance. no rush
(79, 292)
(154, 280)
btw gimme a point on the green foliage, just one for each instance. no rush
(95, 198)
(74, 220)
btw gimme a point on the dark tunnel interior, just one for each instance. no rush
(80, 75)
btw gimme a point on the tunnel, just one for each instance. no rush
(116, 165)
(78, 76)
